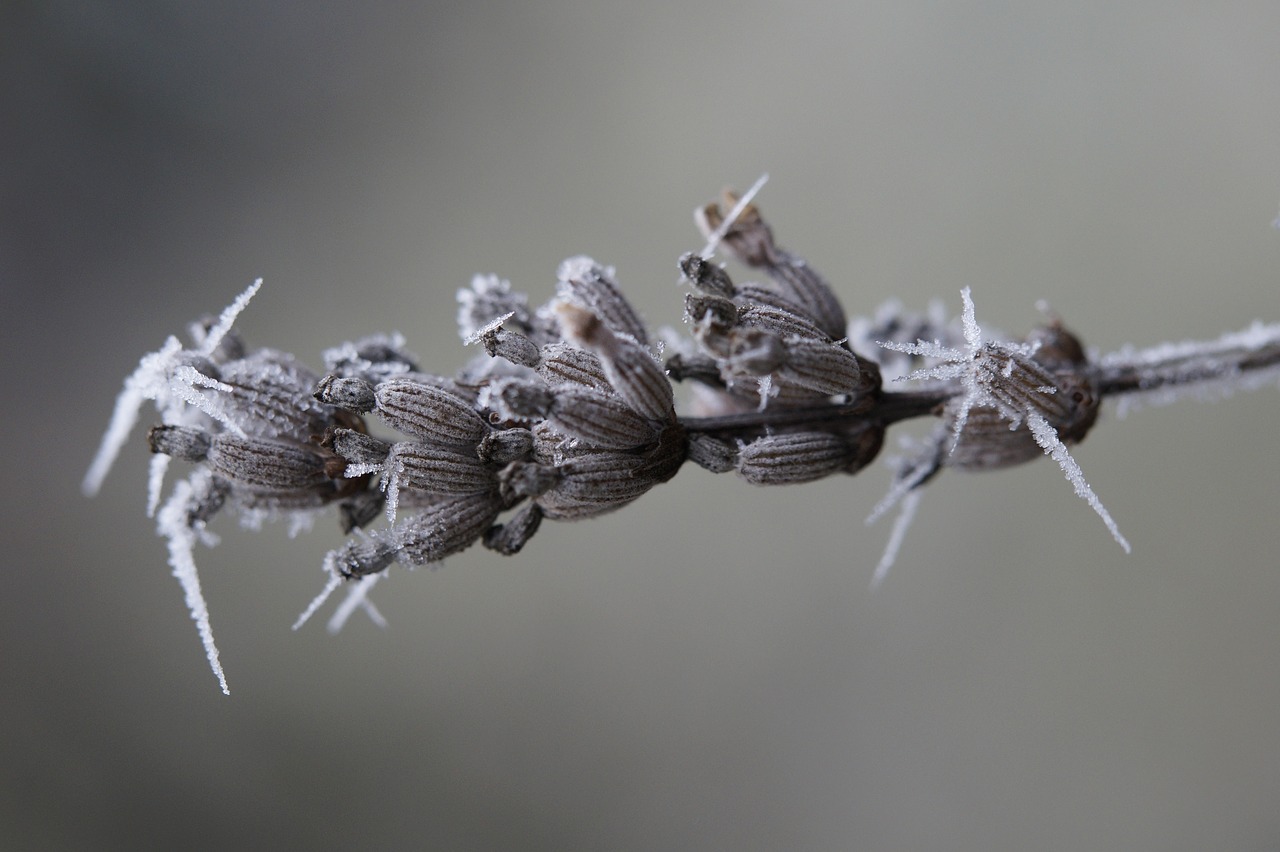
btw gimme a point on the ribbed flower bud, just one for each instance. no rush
(258, 463)
(509, 345)
(439, 530)
(428, 412)
(598, 420)
(586, 283)
(594, 483)
(633, 373)
(503, 446)
(564, 363)
(266, 395)
(520, 399)
(791, 457)
(351, 393)
(434, 469)
(750, 239)
(714, 454)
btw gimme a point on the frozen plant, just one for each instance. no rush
(570, 411)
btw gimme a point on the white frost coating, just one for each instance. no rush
(358, 596)
(156, 470)
(901, 524)
(973, 390)
(899, 489)
(318, 601)
(492, 325)
(185, 383)
(391, 485)
(226, 319)
(1048, 439)
(148, 381)
(923, 348)
(732, 216)
(355, 470)
(172, 524)
(152, 380)
(1206, 370)
(1257, 336)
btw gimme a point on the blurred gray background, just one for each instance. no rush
(708, 668)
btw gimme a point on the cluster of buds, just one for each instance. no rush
(570, 413)
(780, 347)
(562, 424)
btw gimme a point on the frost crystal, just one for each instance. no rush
(173, 523)
(1048, 438)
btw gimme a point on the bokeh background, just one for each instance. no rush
(708, 668)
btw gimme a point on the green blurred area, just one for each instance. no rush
(706, 669)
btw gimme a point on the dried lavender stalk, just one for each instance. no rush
(569, 413)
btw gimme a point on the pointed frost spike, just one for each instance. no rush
(713, 241)
(318, 601)
(226, 319)
(172, 524)
(921, 469)
(156, 470)
(962, 418)
(901, 524)
(972, 332)
(356, 597)
(1048, 439)
(146, 382)
(923, 348)
(375, 614)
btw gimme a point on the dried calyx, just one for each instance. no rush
(571, 414)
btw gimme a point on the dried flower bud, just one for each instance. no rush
(751, 241)
(520, 399)
(714, 454)
(180, 442)
(633, 373)
(792, 457)
(989, 441)
(503, 446)
(781, 322)
(827, 368)
(428, 412)
(351, 394)
(564, 363)
(509, 538)
(357, 448)
(593, 483)
(362, 557)
(257, 463)
(266, 395)
(509, 345)
(708, 277)
(598, 420)
(434, 469)
(748, 238)
(441, 529)
(589, 285)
